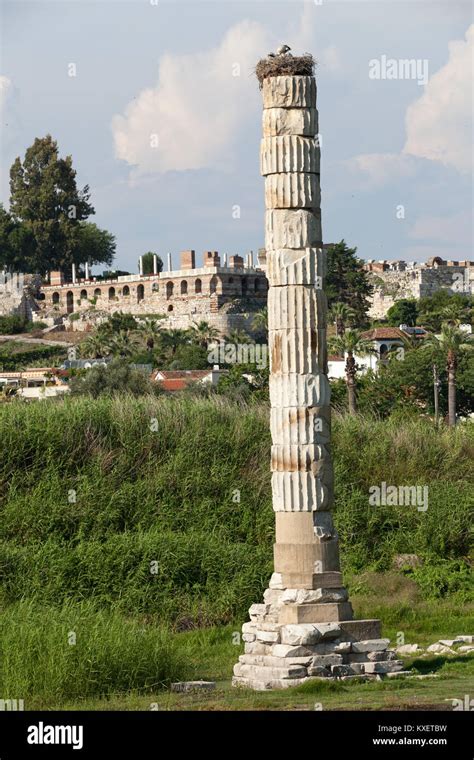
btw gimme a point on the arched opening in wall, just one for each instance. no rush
(213, 285)
(140, 293)
(170, 308)
(184, 288)
(40, 297)
(70, 302)
(259, 285)
(198, 286)
(126, 290)
(155, 287)
(55, 297)
(97, 292)
(244, 286)
(111, 293)
(383, 351)
(169, 289)
(84, 295)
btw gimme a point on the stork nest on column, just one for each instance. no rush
(285, 65)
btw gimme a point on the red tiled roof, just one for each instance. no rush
(176, 380)
(186, 373)
(384, 333)
(174, 384)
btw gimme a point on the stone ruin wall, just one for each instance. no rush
(226, 297)
(391, 286)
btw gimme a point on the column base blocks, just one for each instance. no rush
(291, 639)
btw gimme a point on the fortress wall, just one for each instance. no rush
(391, 286)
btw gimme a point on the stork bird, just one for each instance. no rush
(271, 55)
(283, 49)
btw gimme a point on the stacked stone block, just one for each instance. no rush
(304, 628)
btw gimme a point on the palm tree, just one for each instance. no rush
(95, 347)
(341, 314)
(174, 338)
(450, 343)
(238, 337)
(203, 333)
(124, 343)
(455, 314)
(348, 344)
(260, 320)
(150, 330)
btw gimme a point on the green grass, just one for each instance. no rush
(154, 544)
(118, 664)
(171, 498)
(78, 650)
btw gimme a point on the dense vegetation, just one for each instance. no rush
(123, 517)
(46, 227)
(16, 356)
(154, 480)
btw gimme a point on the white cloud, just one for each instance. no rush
(5, 89)
(197, 107)
(439, 124)
(377, 168)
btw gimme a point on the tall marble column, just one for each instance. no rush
(305, 627)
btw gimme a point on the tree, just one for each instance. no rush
(17, 244)
(203, 333)
(431, 309)
(350, 343)
(341, 314)
(238, 337)
(150, 330)
(450, 343)
(147, 260)
(347, 281)
(189, 356)
(124, 344)
(116, 377)
(45, 198)
(260, 321)
(172, 339)
(95, 347)
(403, 312)
(93, 245)
(118, 321)
(455, 314)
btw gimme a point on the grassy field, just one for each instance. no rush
(135, 534)
(134, 667)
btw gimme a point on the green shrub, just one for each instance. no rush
(439, 578)
(11, 325)
(185, 482)
(76, 651)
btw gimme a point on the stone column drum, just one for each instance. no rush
(304, 628)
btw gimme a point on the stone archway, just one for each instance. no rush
(69, 302)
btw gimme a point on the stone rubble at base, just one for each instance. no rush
(278, 655)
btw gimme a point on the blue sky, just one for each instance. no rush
(163, 117)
